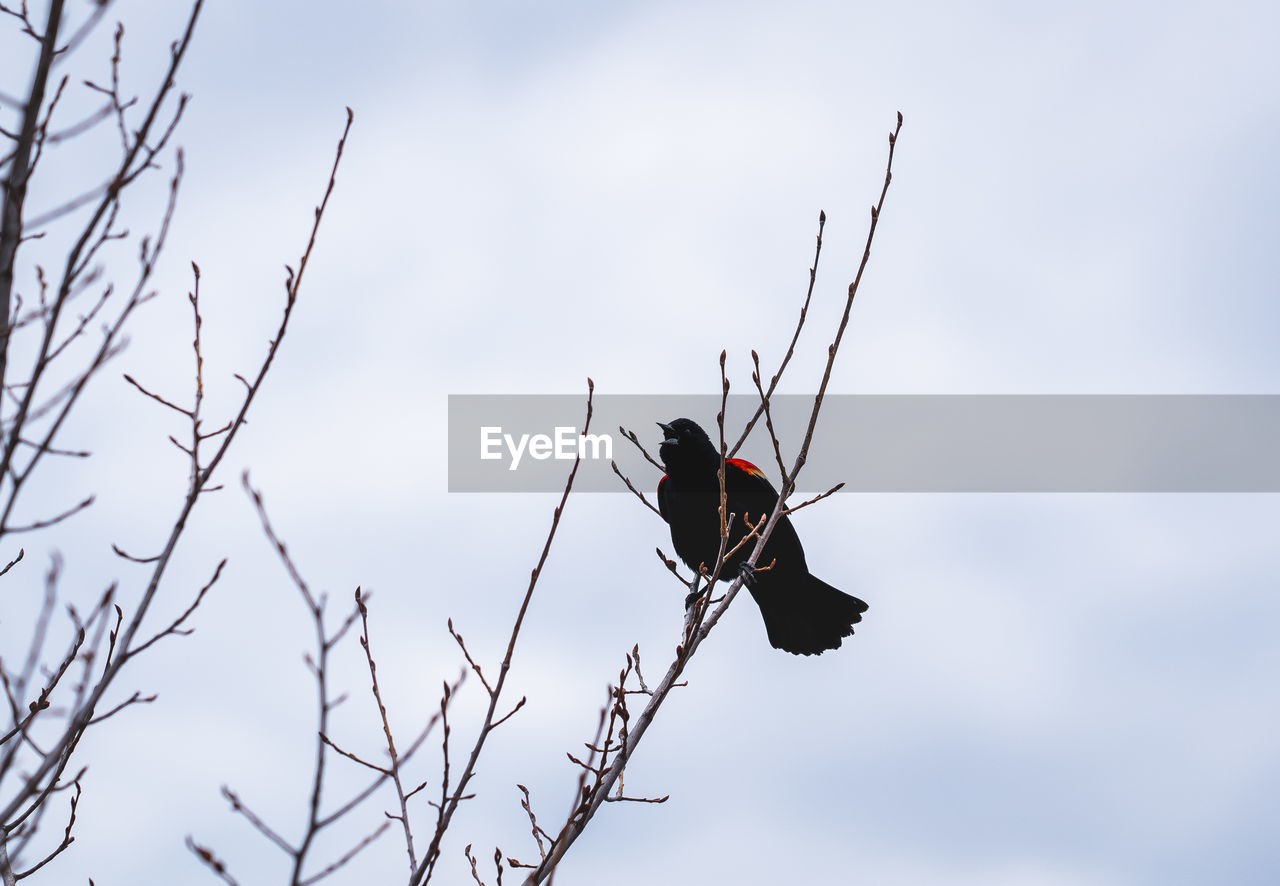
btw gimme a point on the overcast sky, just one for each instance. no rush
(1047, 689)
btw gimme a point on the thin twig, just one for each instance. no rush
(768, 414)
(176, 627)
(630, 435)
(636, 492)
(237, 805)
(804, 312)
(348, 855)
(394, 769)
(471, 661)
(67, 838)
(423, 872)
(817, 498)
(211, 861)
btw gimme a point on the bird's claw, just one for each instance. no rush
(748, 574)
(691, 599)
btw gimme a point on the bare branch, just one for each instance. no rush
(120, 552)
(409, 752)
(70, 453)
(817, 498)
(394, 769)
(14, 193)
(80, 253)
(768, 414)
(620, 799)
(67, 838)
(54, 520)
(161, 400)
(509, 714)
(471, 858)
(538, 833)
(471, 661)
(347, 856)
(450, 804)
(353, 757)
(237, 805)
(630, 435)
(22, 552)
(636, 492)
(211, 861)
(136, 698)
(804, 312)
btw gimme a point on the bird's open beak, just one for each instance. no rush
(668, 431)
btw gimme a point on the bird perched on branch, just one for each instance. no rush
(803, 615)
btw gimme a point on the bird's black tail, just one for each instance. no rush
(806, 616)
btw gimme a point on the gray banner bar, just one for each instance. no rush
(889, 443)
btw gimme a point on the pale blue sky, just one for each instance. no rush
(1056, 690)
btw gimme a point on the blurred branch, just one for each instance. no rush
(14, 193)
(67, 838)
(52, 703)
(211, 861)
(94, 233)
(37, 784)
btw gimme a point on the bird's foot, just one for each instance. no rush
(692, 598)
(748, 574)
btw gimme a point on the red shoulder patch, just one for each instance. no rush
(660, 482)
(743, 465)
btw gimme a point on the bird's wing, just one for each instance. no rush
(743, 465)
(746, 484)
(742, 476)
(750, 490)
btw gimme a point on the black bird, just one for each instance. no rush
(803, 615)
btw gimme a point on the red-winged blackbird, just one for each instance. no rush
(802, 614)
